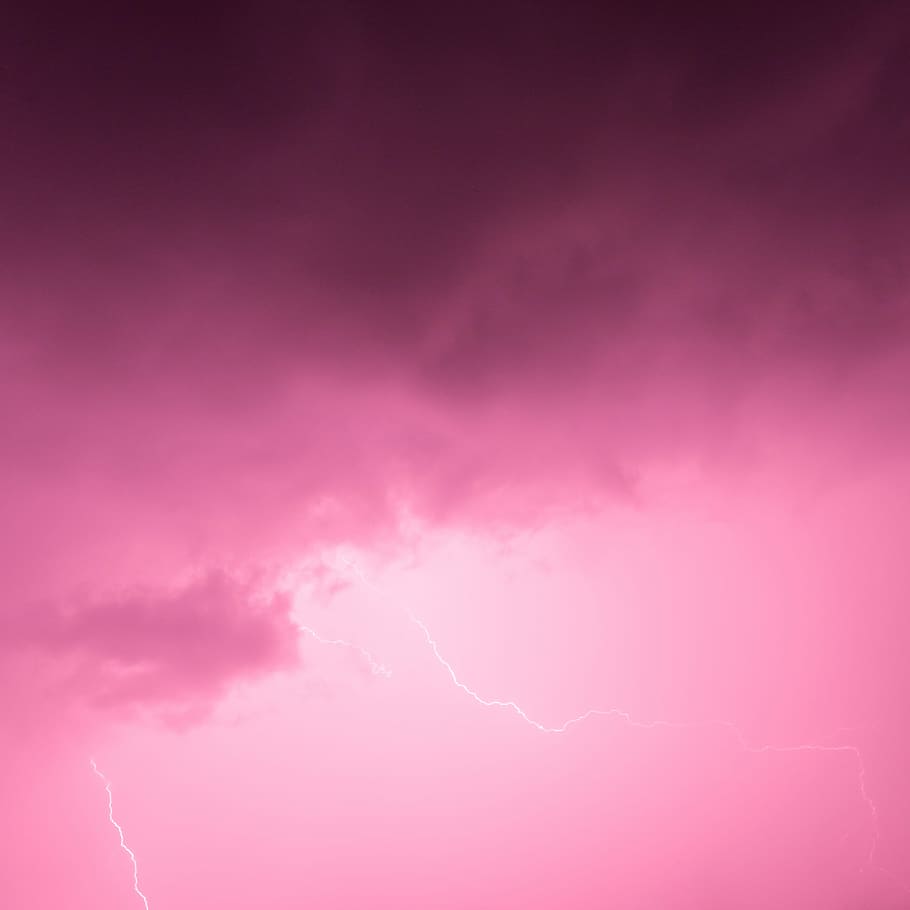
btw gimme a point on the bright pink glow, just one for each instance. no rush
(625, 717)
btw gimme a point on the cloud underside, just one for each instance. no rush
(169, 650)
(480, 265)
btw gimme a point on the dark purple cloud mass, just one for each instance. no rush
(270, 272)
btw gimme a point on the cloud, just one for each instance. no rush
(272, 276)
(482, 264)
(176, 650)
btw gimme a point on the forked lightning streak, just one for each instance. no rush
(629, 720)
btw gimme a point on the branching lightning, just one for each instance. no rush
(629, 720)
(112, 820)
(376, 668)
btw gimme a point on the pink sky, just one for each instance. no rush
(454, 456)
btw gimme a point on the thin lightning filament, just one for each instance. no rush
(123, 845)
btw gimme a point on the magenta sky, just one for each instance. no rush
(387, 386)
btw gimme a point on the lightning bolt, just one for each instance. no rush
(626, 718)
(376, 668)
(112, 820)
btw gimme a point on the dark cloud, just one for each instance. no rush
(269, 271)
(380, 146)
(177, 649)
